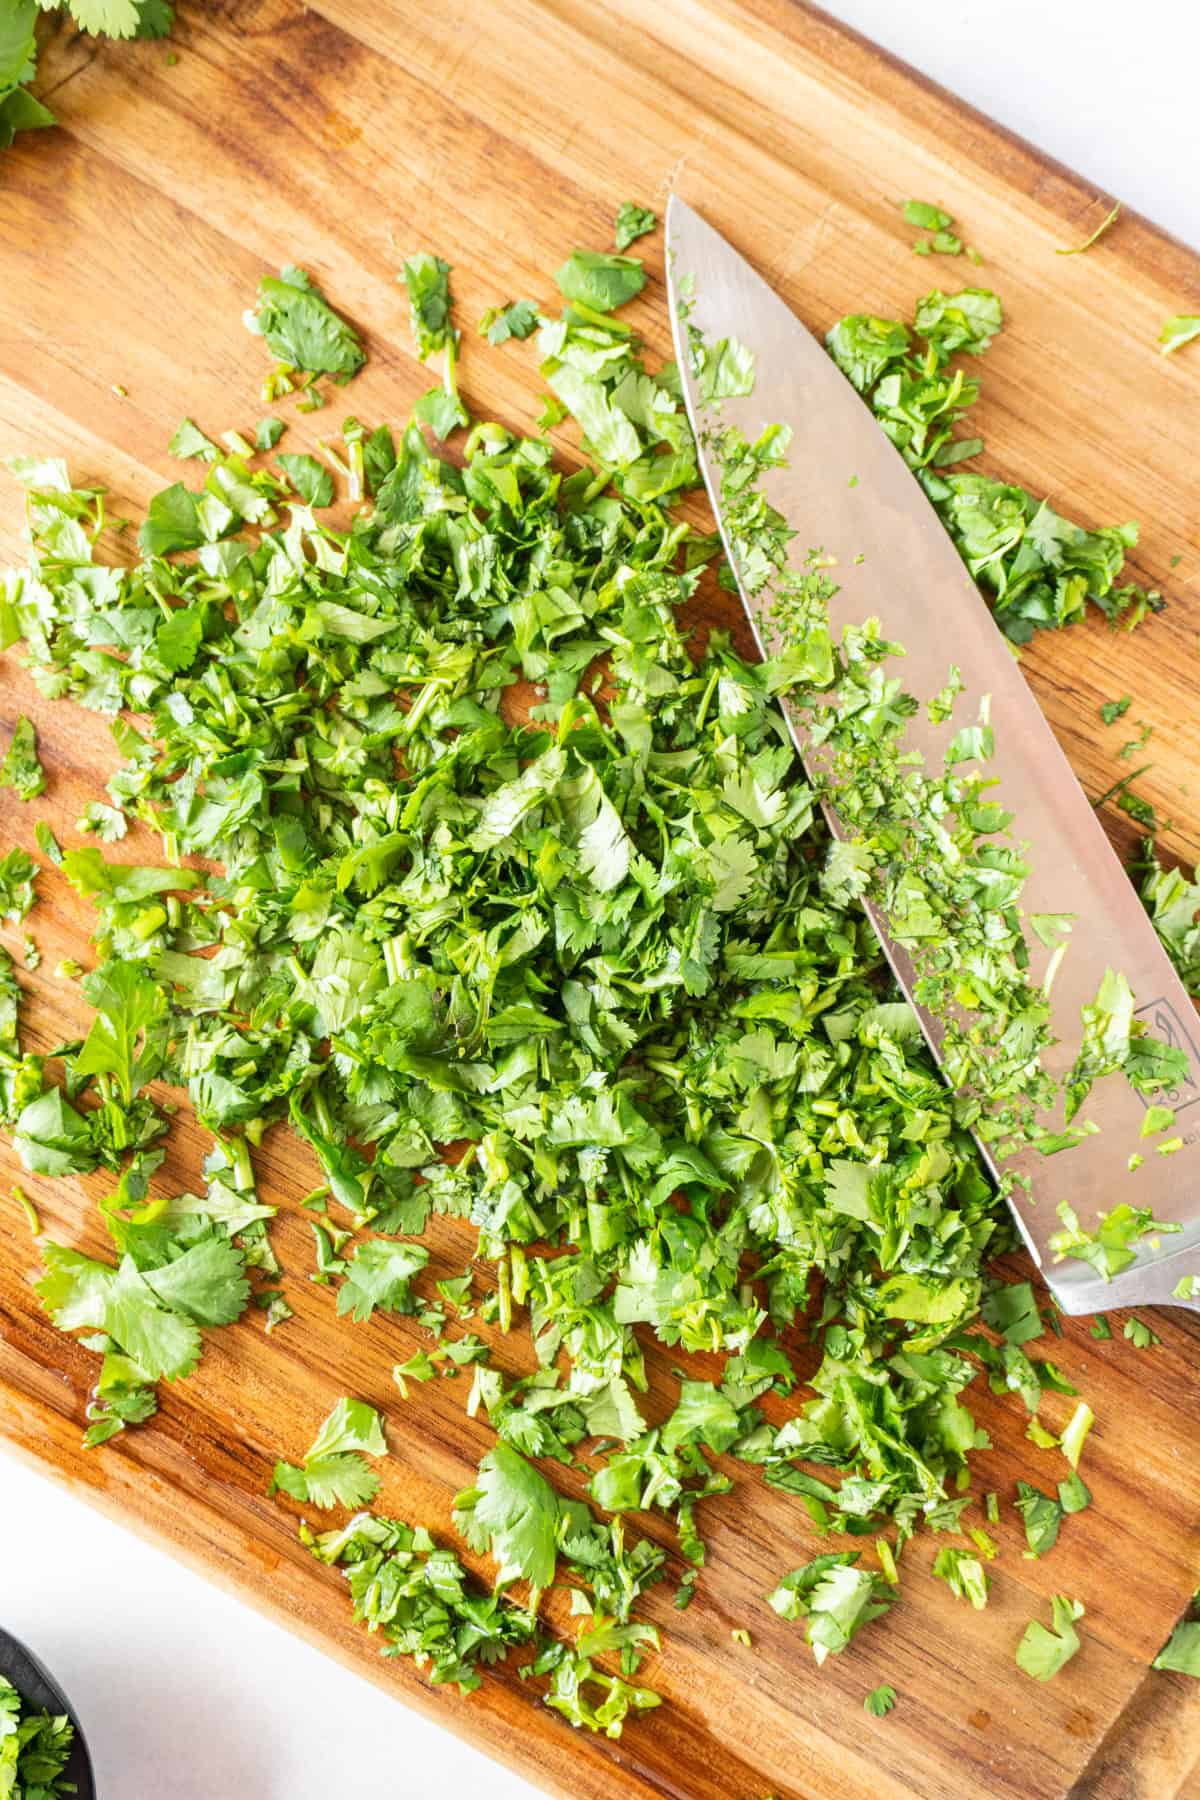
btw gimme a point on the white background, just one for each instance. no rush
(185, 1694)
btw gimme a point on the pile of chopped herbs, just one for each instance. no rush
(500, 856)
(34, 1748)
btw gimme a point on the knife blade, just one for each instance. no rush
(847, 489)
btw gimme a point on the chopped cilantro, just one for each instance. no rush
(313, 483)
(1173, 903)
(880, 1701)
(515, 319)
(632, 222)
(835, 1598)
(188, 440)
(1112, 710)
(1042, 1515)
(1110, 218)
(20, 768)
(302, 330)
(1181, 1652)
(1077, 1428)
(1038, 570)
(1158, 1118)
(926, 216)
(1073, 1494)
(1042, 1652)
(442, 411)
(1179, 331)
(599, 281)
(612, 950)
(35, 1747)
(268, 432)
(964, 1574)
(108, 823)
(379, 1274)
(17, 872)
(420, 1600)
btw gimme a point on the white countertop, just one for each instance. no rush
(185, 1693)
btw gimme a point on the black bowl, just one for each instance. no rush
(40, 1689)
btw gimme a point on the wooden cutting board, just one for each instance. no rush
(341, 136)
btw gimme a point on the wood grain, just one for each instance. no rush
(342, 136)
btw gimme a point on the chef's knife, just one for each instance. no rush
(847, 489)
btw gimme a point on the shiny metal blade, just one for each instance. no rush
(847, 490)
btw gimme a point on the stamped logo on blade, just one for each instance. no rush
(1165, 1023)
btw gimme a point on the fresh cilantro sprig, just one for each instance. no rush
(334, 1472)
(19, 109)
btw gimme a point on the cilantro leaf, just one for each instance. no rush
(188, 440)
(18, 43)
(17, 872)
(1181, 1651)
(1041, 1653)
(723, 369)
(836, 1598)
(1177, 332)
(334, 1472)
(172, 523)
(442, 411)
(1042, 1515)
(311, 480)
(512, 1511)
(515, 319)
(427, 279)
(880, 1701)
(178, 639)
(380, 1274)
(20, 768)
(106, 18)
(51, 1138)
(105, 822)
(339, 1480)
(206, 1282)
(926, 216)
(76, 1291)
(352, 1425)
(703, 1415)
(632, 222)
(128, 1006)
(302, 330)
(600, 281)
(1013, 1312)
(20, 111)
(964, 1574)
(1073, 1495)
